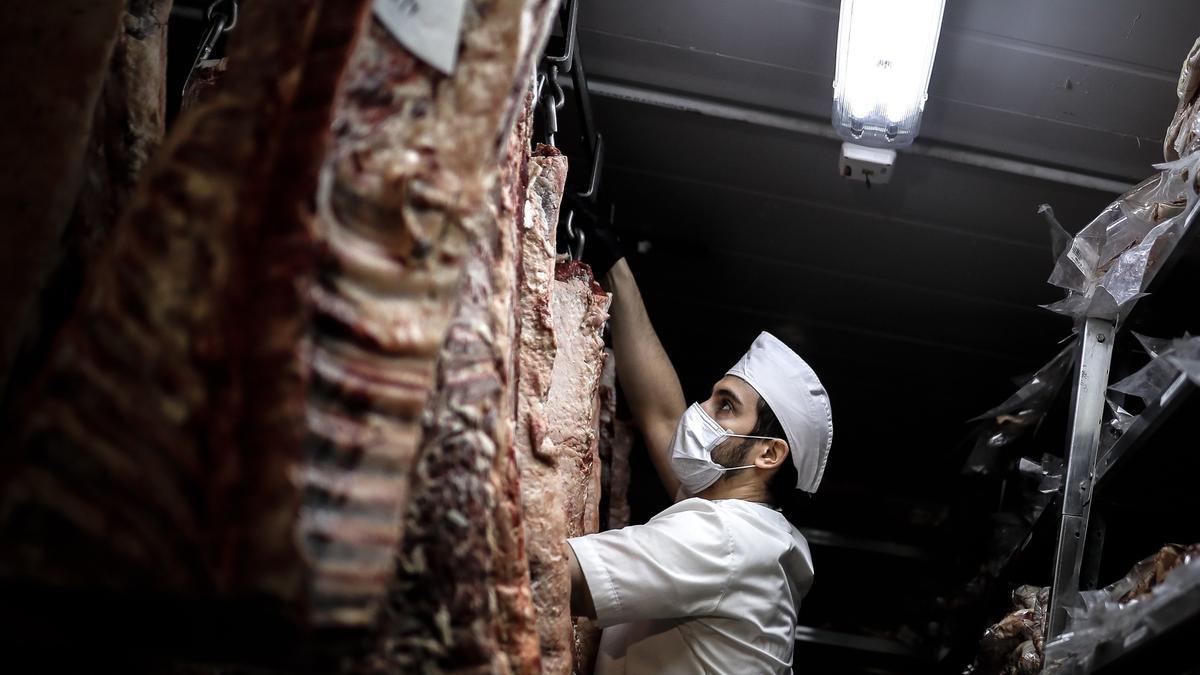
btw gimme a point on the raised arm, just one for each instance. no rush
(647, 378)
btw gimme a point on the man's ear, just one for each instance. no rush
(773, 454)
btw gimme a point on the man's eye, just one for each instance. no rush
(726, 406)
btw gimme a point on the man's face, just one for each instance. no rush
(733, 404)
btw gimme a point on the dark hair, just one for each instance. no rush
(783, 482)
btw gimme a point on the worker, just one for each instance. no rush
(713, 583)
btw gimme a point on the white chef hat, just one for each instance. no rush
(798, 400)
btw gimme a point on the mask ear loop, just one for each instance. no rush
(724, 469)
(748, 466)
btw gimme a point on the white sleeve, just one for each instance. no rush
(678, 565)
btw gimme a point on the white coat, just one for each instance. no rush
(707, 586)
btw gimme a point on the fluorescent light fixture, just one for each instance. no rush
(885, 55)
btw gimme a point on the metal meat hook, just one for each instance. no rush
(575, 248)
(552, 103)
(220, 20)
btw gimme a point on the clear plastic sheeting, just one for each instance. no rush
(1116, 423)
(1158, 594)
(1108, 265)
(1155, 347)
(1098, 303)
(1018, 415)
(1040, 482)
(1037, 484)
(1181, 356)
(1050, 475)
(1190, 366)
(1167, 359)
(1076, 256)
(1039, 390)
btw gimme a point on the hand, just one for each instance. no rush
(602, 247)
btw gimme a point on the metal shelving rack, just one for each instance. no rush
(1179, 613)
(1079, 537)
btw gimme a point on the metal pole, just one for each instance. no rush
(1086, 415)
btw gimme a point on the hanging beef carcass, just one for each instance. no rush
(443, 612)
(127, 125)
(158, 445)
(624, 435)
(560, 357)
(461, 601)
(542, 494)
(517, 624)
(616, 442)
(129, 120)
(405, 197)
(54, 64)
(579, 310)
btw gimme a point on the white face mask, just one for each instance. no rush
(692, 446)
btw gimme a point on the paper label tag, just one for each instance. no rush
(427, 28)
(1076, 256)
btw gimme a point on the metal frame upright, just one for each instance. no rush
(1080, 538)
(1091, 382)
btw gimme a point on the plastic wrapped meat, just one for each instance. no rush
(1111, 262)
(1136, 607)
(1015, 645)
(1153, 571)
(1183, 135)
